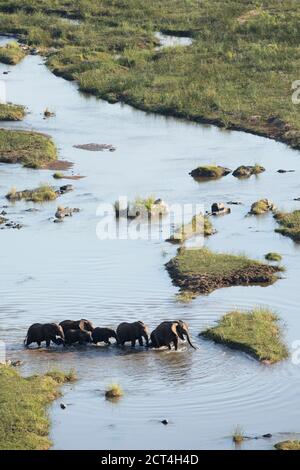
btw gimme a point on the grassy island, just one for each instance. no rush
(288, 445)
(256, 332)
(289, 224)
(202, 271)
(24, 424)
(237, 72)
(11, 54)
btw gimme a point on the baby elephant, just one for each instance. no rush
(103, 334)
(38, 332)
(132, 332)
(78, 336)
(76, 325)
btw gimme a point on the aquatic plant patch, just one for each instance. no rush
(202, 271)
(11, 53)
(11, 112)
(24, 423)
(236, 72)
(199, 225)
(289, 224)
(256, 332)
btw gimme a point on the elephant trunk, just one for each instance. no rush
(189, 341)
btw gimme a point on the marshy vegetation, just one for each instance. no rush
(41, 194)
(210, 171)
(11, 53)
(289, 224)
(11, 112)
(247, 171)
(237, 72)
(31, 149)
(272, 256)
(262, 207)
(113, 392)
(288, 445)
(199, 225)
(201, 270)
(24, 424)
(256, 332)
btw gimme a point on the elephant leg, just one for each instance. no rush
(107, 342)
(147, 341)
(169, 346)
(39, 343)
(175, 341)
(141, 342)
(47, 343)
(133, 343)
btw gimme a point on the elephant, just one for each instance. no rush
(103, 334)
(38, 332)
(76, 325)
(78, 336)
(132, 332)
(168, 332)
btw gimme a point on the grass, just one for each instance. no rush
(272, 256)
(201, 270)
(42, 194)
(237, 73)
(238, 435)
(58, 175)
(210, 171)
(31, 149)
(261, 207)
(256, 332)
(11, 112)
(244, 171)
(24, 423)
(199, 225)
(11, 53)
(289, 224)
(113, 391)
(288, 445)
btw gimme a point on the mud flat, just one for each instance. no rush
(202, 271)
(256, 332)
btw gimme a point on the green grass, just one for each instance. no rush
(58, 175)
(209, 171)
(24, 423)
(31, 149)
(11, 54)
(261, 207)
(42, 194)
(272, 256)
(237, 73)
(201, 270)
(114, 391)
(11, 112)
(289, 224)
(199, 225)
(288, 445)
(238, 435)
(256, 332)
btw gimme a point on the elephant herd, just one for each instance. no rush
(70, 332)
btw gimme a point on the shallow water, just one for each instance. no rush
(51, 272)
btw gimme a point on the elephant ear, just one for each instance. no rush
(177, 329)
(82, 324)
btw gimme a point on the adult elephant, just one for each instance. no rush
(77, 325)
(38, 332)
(132, 332)
(168, 332)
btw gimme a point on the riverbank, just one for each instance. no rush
(24, 423)
(237, 73)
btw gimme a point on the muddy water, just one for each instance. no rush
(51, 272)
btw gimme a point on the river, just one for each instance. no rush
(51, 272)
